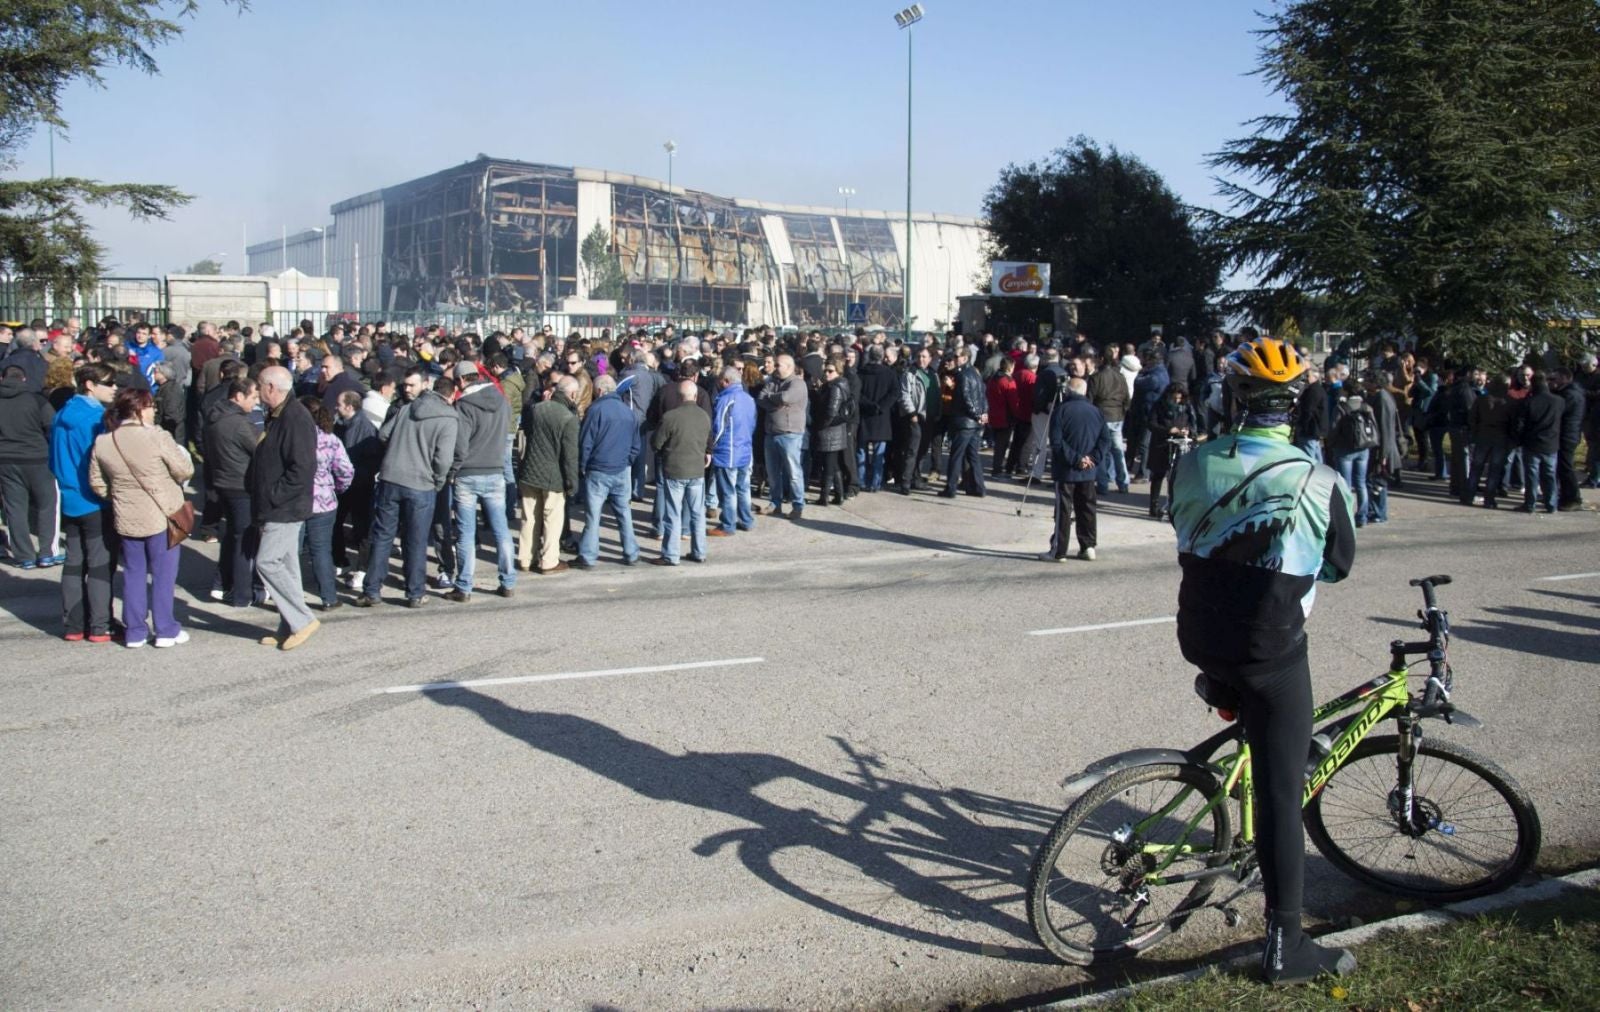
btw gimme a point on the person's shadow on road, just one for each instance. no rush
(959, 855)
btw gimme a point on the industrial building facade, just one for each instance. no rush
(508, 235)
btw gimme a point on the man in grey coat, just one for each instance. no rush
(479, 474)
(419, 450)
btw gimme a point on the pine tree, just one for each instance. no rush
(1437, 173)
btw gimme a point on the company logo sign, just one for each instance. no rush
(1022, 279)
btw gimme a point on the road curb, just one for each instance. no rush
(1538, 892)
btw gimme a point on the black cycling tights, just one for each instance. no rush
(1275, 709)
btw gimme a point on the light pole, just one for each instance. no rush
(672, 210)
(847, 192)
(905, 19)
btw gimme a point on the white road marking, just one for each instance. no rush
(1570, 576)
(1103, 625)
(563, 676)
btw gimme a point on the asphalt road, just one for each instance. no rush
(843, 818)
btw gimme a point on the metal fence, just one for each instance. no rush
(459, 322)
(126, 299)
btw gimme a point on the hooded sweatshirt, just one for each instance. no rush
(72, 437)
(481, 436)
(25, 419)
(420, 443)
(1130, 367)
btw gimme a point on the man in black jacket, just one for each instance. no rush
(1078, 440)
(229, 442)
(879, 391)
(27, 487)
(969, 413)
(281, 473)
(1568, 497)
(1537, 426)
(1311, 416)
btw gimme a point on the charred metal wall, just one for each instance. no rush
(511, 232)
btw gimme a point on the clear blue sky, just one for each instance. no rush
(268, 117)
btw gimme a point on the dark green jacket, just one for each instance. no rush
(550, 460)
(684, 440)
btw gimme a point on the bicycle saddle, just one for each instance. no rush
(1217, 695)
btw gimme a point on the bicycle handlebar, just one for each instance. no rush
(1438, 627)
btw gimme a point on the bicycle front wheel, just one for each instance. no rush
(1472, 831)
(1089, 895)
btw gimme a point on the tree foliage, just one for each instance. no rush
(45, 46)
(206, 266)
(601, 265)
(1436, 175)
(1113, 233)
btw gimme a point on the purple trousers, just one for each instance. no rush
(148, 559)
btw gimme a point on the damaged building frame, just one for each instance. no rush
(507, 234)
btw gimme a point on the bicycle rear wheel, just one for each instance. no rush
(1473, 829)
(1087, 898)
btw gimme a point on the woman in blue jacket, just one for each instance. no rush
(85, 527)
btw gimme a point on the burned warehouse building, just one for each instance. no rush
(510, 236)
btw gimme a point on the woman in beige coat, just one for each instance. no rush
(140, 471)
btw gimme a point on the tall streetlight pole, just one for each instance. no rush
(905, 19)
(672, 210)
(847, 192)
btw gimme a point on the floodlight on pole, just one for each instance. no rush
(905, 19)
(671, 148)
(847, 192)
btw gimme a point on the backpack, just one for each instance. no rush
(1358, 428)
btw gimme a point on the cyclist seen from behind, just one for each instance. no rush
(1259, 522)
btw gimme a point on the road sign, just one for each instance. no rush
(856, 313)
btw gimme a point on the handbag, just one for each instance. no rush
(180, 522)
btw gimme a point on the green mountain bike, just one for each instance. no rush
(1152, 833)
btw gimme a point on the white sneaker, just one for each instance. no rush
(443, 582)
(133, 644)
(355, 579)
(1051, 557)
(218, 595)
(1086, 554)
(162, 642)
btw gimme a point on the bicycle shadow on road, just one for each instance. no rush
(959, 855)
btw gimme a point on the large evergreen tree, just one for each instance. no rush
(1113, 233)
(1438, 174)
(45, 45)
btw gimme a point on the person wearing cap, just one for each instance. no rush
(479, 478)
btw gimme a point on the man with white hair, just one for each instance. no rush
(281, 475)
(1079, 439)
(25, 355)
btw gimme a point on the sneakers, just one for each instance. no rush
(46, 561)
(1051, 557)
(443, 582)
(355, 578)
(163, 642)
(295, 639)
(133, 644)
(218, 595)
(1086, 554)
(99, 637)
(73, 637)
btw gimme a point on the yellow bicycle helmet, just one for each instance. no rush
(1266, 374)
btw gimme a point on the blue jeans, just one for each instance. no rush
(1113, 462)
(1537, 468)
(1513, 468)
(683, 504)
(1378, 499)
(733, 491)
(490, 490)
(600, 488)
(783, 470)
(1353, 469)
(1313, 448)
(316, 540)
(869, 465)
(641, 464)
(407, 512)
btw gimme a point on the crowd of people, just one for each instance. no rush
(331, 447)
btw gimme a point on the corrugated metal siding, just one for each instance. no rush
(358, 228)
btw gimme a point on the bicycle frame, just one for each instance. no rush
(1383, 695)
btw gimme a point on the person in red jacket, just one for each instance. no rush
(1022, 424)
(1005, 410)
